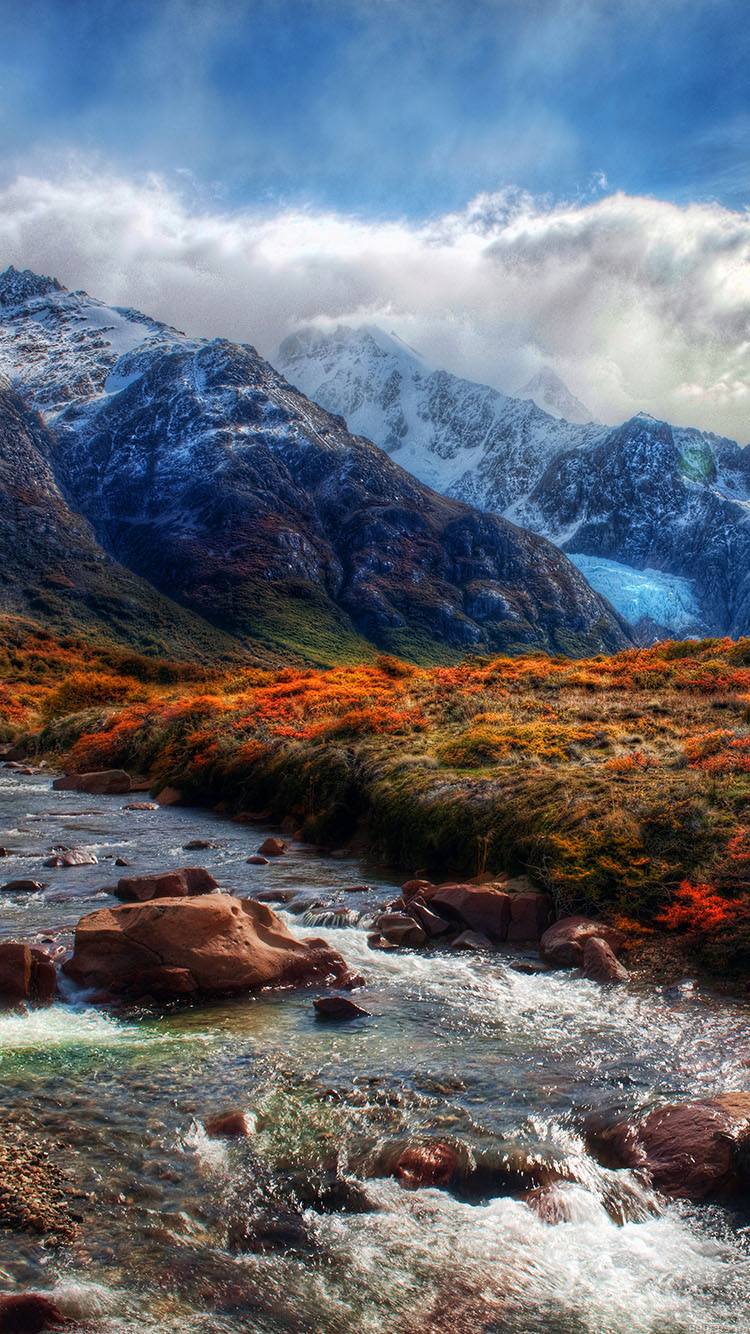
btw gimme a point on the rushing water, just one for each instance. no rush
(457, 1047)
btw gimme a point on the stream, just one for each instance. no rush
(457, 1046)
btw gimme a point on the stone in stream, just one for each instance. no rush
(434, 1164)
(184, 882)
(230, 1125)
(169, 796)
(690, 1151)
(563, 943)
(273, 847)
(471, 940)
(212, 945)
(141, 806)
(120, 861)
(198, 845)
(105, 782)
(71, 857)
(4, 852)
(257, 860)
(399, 929)
(429, 921)
(479, 907)
(30, 1313)
(600, 964)
(26, 974)
(23, 886)
(338, 1008)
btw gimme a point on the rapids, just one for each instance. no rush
(456, 1046)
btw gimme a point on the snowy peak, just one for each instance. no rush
(19, 286)
(552, 395)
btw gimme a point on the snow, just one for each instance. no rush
(666, 599)
(552, 395)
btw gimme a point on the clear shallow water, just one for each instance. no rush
(456, 1047)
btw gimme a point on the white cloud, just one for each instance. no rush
(639, 304)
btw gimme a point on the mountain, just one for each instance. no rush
(54, 572)
(552, 395)
(657, 517)
(204, 472)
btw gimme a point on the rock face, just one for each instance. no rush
(204, 472)
(213, 945)
(26, 974)
(184, 883)
(692, 1151)
(107, 781)
(562, 945)
(656, 516)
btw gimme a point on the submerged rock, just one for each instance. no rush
(562, 944)
(34, 1193)
(338, 1008)
(23, 886)
(30, 1313)
(185, 882)
(230, 1125)
(426, 1165)
(212, 945)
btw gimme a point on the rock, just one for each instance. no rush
(551, 1203)
(71, 857)
(30, 1313)
(230, 1125)
(428, 920)
(23, 886)
(356, 889)
(212, 945)
(480, 907)
(399, 929)
(198, 845)
(414, 889)
(277, 896)
(256, 860)
(169, 796)
(14, 765)
(562, 944)
(600, 964)
(141, 806)
(529, 917)
(426, 1165)
(378, 942)
(102, 783)
(4, 852)
(26, 974)
(338, 1008)
(273, 847)
(185, 882)
(471, 940)
(120, 861)
(10, 754)
(692, 1151)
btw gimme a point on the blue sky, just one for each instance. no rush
(385, 107)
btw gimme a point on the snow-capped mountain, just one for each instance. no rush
(552, 395)
(202, 470)
(657, 517)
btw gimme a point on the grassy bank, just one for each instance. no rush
(620, 784)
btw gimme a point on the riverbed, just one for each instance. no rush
(182, 1234)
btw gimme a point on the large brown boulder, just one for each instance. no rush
(691, 1151)
(212, 945)
(400, 929)
(104, 782)
(529, 916)
(71, 857)
(480, 907)
(600, 964)
(30, 1313)
(182, 883)
(563, 943)
(26, 974)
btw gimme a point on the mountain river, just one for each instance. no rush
(458, 1047)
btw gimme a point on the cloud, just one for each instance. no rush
(638, 303)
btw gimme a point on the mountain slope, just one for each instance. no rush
(552, 395)
(657, 517)
(205, 472)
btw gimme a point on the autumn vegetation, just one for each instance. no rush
(621, 783)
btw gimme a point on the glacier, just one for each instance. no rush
(666, 599)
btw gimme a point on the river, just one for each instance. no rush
(456, 1046)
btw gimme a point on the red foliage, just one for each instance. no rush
(698, 908)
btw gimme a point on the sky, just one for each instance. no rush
(504, 183)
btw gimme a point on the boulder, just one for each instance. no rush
(212, 945)
(691, 1151)
(141, 806)
(338, 1008)
(417, 889)
(600, 964)
(169, 796)
(399, 929)
(105, 782)
(198, 845)
(230, 1125)
(426, 1165)
(429, 921)
(257, 860)
(23, 886)
(4, 852)
(120, 861)
(71, 857)
(26, 974)
(471, 940)
(529, 917)
(30, 1313)
(273, 847)
(183, 883)
(562, 944)
(480, 907)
